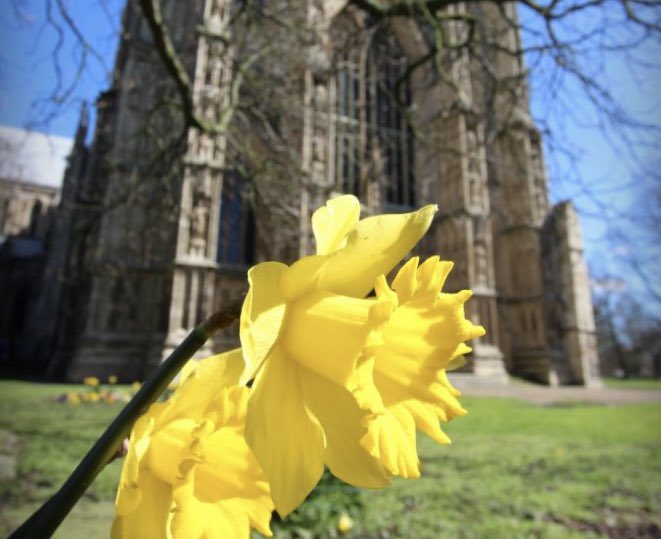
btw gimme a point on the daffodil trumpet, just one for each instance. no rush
(50, 515)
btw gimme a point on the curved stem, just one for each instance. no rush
(50, 515)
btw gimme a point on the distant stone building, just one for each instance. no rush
(25, 208)
(148, 247)
(26, 218)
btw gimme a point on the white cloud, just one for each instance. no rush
(33, 157)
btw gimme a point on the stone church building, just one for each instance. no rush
(158, 222)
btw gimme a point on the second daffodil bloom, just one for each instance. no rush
(340, 378)
(188, 471)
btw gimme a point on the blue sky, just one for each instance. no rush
(28, 78)
(611, 181)
(604, 181)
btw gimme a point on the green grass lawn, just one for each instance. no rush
(47, 439)
(633, 383)
(514, 470)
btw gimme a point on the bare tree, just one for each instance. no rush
(266, 46)
(629, 343)
(566, 45)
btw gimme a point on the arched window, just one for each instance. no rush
(374, 139)
(236, 227)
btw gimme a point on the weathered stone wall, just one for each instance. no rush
(568, 299)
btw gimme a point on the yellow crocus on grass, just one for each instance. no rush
(188, 471)
(342, 379)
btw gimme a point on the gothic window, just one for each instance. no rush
(236, 230)
(374, 139)
(350, 101)
(395, 136)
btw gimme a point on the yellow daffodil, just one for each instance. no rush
(112, 379)
(73, 397)
(92, 396)
(91, 381)
(340, 378)
(188, 471)
(344, 523)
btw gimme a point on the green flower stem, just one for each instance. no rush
(49, 516)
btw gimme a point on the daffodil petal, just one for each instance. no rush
(186, 372)
(373, 248)
(405, 282)
(301, 277)
(206, 505)
(261, 316)
(129, 493)
(227, 467)
(343, 423)
(151, 515)
(169, 447)
(228, 408)
(333, 222)
(427, 408)
(284, 435)
(193, 518)
(443, 378)
(390, 439)
(426, 417)
(219, 488)
(227, 366)
(226, 471)
(222, 370)
(432, 274)
(202, 385)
